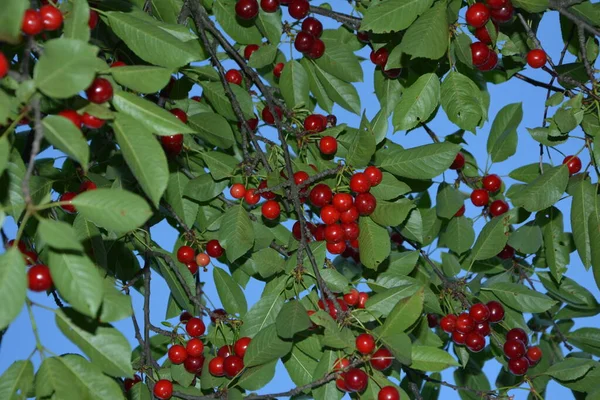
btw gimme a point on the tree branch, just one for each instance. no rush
(35, 148)
(538, 83)
(584, 55)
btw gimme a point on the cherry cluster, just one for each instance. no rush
(351, 379)
(187, 255)
(352, 299)
(520, 357)
(380, 57)
(317, 123)
(499, 11)
(48, 18)
(471, 328)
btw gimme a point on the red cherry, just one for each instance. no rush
(39, 278)
(93, 21)
(459, 337)
(477, 15)
(491, 183)
(343, 202)
(341, 364)
(313, 26)
(30, 257)
(336, 247)
(514, 349)
(268, 117)
(163, 389)
(215, 366)
(193, 365)
(20, 245)
(218, 314)
(269, 6)
(362, 36)
(234, 76)
(250, 198)
(480, 197)
(380, 57)
(180, 114)
(320, 195)
(128, 383)
(334, 233)
(517, 334)
(331, 120)
(252, 124)
(491, 63)
(351, 231)
(479, 312)
(534, 355)
(448, 323)
(496, 311)
(340, 383)
(192, 267)
(266, 195)
(4, 65)
(351, 298)
(225, 351)
(365, 343)
(298, 9)
(350, 215)
(172, 144)
(573, 163)
(67, 197)
(475, 342)
(197, 98)
(214, 249)
(271, 209)
(300, 177)
(507, 253)
(388, 393)
(460, 212)
(246, 9)
(194, 347)
(498, 207)
(52, 17)
(232, 366)
(251, 48)
(32, 22)
(118, 64)
(397, 238)
(432, 320)
(320, 233)
(359, 183)
(374, 175)
(195, 327)
(330, 215)
(392, 73)
(185, 316)
(518, 366)
(303, 41)
(480, 53)
(362, 300)
(316, 50)
(502, 14)
(100, 91)
(356, 380)
(202, 259)
(177, 354)
(328, 145)
(496, 4)
(185, 254)
(483, 34)
(382, 359)
(241, 345)
(278, 69)
(365, 203)
(314, 123)
(72, 116)
(464, 323)
(483, 328)
(237, 191)
(459, 162)
(91, 121)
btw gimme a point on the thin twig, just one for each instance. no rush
(35, 148)
(538, 83)
(584, 56)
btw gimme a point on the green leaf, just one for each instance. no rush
(76, 21)
(472, 378)
(594, 226)
(412, 228)
(236, 234)
(374, 243)
(142, 78)
(10, 21)
(343, 93)
(294, 85)
(204, 188)
(113, 209)
(448, 201)
(15, 171)
(265, 55)
(268, 262)
(527, 239)
(106, 347)
(255, 378)
(428, 36)
(151, 43)
(584, 198)
(532, 6)
(570, 369)
(300, 366)
(543, 191)
(556, 244)
(180, 375)
(154, 118)
(66, 67)
(292, 319)
(178, 291)
(528, 173)
(392, 214)
(389, 188)
(215, 93)
(459, 235)
(491, 239)
(568, 291)
(421, 162)
(393, 15)
(462, 49)
(243, 32)
(63, 135)
(90, 235)
(265, 347)
(461, 100)
(404, 314)
(587, 339)
(335, 280)
(328, 391)
(53, 378)
(17, 378)
(262, 314)
(213, 128)
(116, 305)
(360, 144)
(417, 103)
(316, 87)
(502, 141)
(400, 346)
(431, 359)
(520, 297)
(383, 302)
(13, 286)
(342, 63)
(4, 153)
(77, 279)
(186, 209)
(59, 235)
(138, 146)
(230, 293)
(271, 24)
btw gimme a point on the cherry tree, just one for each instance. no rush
(375, 278)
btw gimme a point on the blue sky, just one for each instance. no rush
(19, 341)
